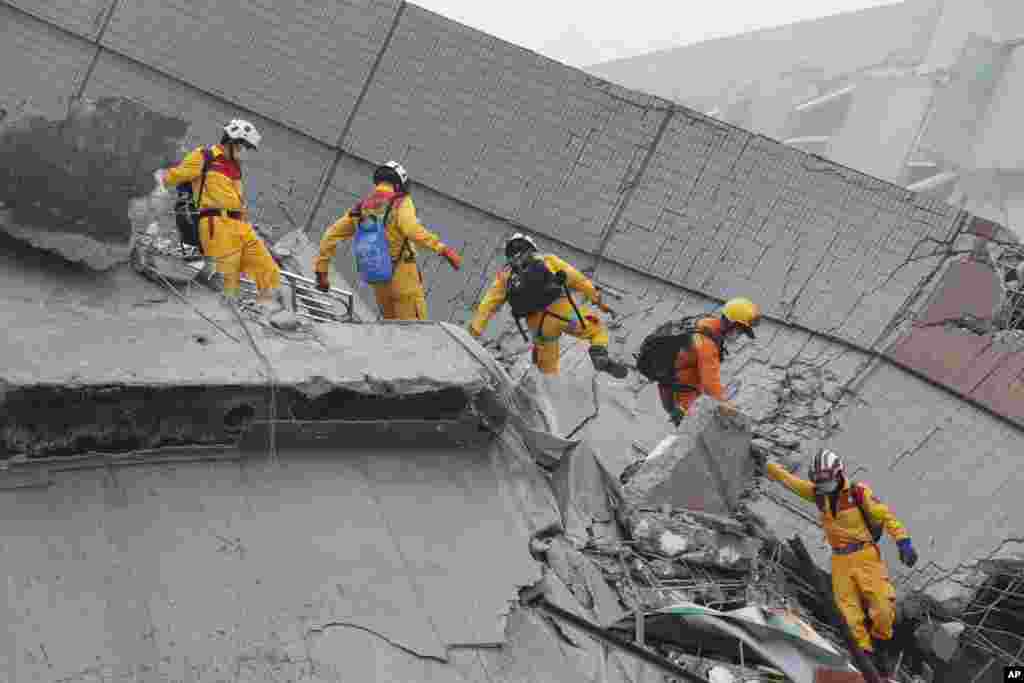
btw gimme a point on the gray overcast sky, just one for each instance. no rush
(585, 32)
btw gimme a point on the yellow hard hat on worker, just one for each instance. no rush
(743, 313)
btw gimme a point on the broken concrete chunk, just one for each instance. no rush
(86, 154)
(584, 579)
(284, 320)
(685, 539)
(586, 493)
(941, 639)
(706, 468)
(786, 440)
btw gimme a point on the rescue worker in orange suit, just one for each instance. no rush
(859, 574)
(699, 368)
(403, 297)
(225, 234)
(548, 325)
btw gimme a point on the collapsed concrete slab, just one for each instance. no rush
(114, 363)
(78, 185)
(706, 468)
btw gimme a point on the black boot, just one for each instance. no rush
(882, 661)
(869, 655)
(603, 363)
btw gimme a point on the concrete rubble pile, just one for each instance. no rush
(964, 637)
(628, 547)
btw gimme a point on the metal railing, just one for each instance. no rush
(333, 306)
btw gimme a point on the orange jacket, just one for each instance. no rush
(699, 366)
(847, 525)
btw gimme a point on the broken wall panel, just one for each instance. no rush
(966, 362)
(42, 66)
(287, 169)
(967, 288)
(82, 17)
(881, 126)
(1003, 390)
(284, 62)
(503, 128)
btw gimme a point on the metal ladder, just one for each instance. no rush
(333, 306)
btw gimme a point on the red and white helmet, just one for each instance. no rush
(827, 471)
(238, 130)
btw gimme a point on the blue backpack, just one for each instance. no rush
(370, 246)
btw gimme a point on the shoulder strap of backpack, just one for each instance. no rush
(207, 158)
(392, 203)
(857, 493)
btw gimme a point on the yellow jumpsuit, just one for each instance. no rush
(402, 298)
(232, 243)
(861, 576)
(547, 326)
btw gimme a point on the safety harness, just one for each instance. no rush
(857, 495)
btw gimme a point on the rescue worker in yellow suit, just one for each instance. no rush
(401, 298)
(859, 574)
(548, 324)
(225, 233)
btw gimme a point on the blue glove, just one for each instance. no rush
(908, 555)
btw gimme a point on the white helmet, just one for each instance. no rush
(826, 471)
(391, 171)
(517, 244)
(239, 130)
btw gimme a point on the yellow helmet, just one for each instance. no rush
(744, 313)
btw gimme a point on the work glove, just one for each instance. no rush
(908, 555)
(599, 302)
(322, 283)
(453, 257)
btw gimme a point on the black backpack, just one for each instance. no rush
(532, 287)
(656, 359)
(186, 207)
